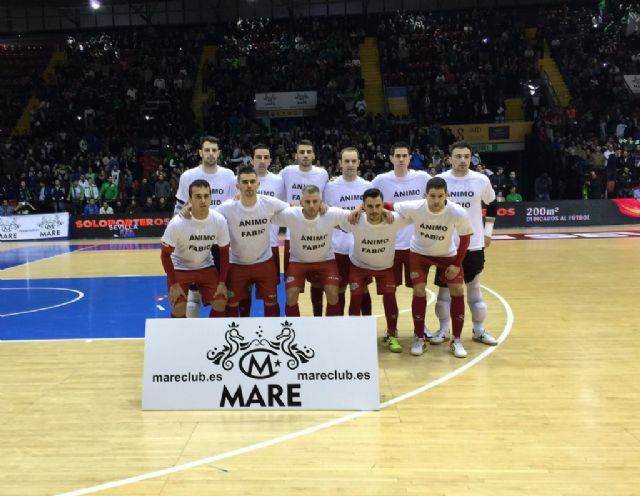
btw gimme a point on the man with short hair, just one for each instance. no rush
(186, 253)
(223, 186)
(346, 193)
(249, 220)
(402, 184)
(435, 222)
(296, 177)
(311, 252)
(371, 255)
(469, 189)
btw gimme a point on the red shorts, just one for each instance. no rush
(275, 256)
(359, 278)
(324, 273)
(421, 264)
(344, 264)
(241, 277)
(400, 261)
(206, 280)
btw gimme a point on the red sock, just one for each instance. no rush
(457, 315)
(418, 309)
(244, 308)
(216, 314)
(275, 253)
(272, 310)
(292, 310)
(341, 302)
(316, 301)
(366, 304)
(232, 311)
(355, 304)
(333, 310)
(390, 312)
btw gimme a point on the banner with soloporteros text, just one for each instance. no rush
(283, 363)
(34, 226)
(150, 225)
(569, 213)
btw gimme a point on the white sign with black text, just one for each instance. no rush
(34, 226)
(287, 100)
(294, 363)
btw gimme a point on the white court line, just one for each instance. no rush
(309, 430)
(79, 296)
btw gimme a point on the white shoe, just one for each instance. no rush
(418, 347)
(484, 337)
(440, 337)
(427, 334)
(457, 349)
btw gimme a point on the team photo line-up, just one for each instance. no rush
(224, 239)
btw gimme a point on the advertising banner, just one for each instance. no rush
(286, 100)
(150, 225)
(284, 363)
(506, 132)
(569, 213)
(633, 83)
(35, 226)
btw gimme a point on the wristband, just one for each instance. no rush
(488, 229)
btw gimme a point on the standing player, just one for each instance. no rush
(311, 253)
(346, 193)
(186, 253)
(223, 186)
(296, 178)
(435, 221)
(249, 220)
(371, 255)
(402, 184)
(469, 189)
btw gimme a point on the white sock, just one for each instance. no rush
(443, 304)
(476, 304)
(193, 304)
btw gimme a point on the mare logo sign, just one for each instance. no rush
(47, 224)
(260, 358)
(9, 227)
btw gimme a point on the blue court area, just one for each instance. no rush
(83, 307)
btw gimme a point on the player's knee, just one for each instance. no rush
(332, 293)
(478, 310)
(179, 310)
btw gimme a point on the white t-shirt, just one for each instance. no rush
(272, 185)
(295, 181)
(310, 239)
(193, 239)
(469, 192)
(222, 182)
(249, 228)
(346, 195)
(433, 234)
(413, 186)
(374, 244)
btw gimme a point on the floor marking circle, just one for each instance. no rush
(79, 296)
(309, 430)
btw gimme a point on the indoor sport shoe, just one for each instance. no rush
(427, 334)
(394, 346)
(457, 349)
(484, 337)
(440, 338)
(418, 347)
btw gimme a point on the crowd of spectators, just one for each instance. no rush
(591, 148)
(457, 67)
(114, 129)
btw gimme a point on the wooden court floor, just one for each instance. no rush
(554, 410)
